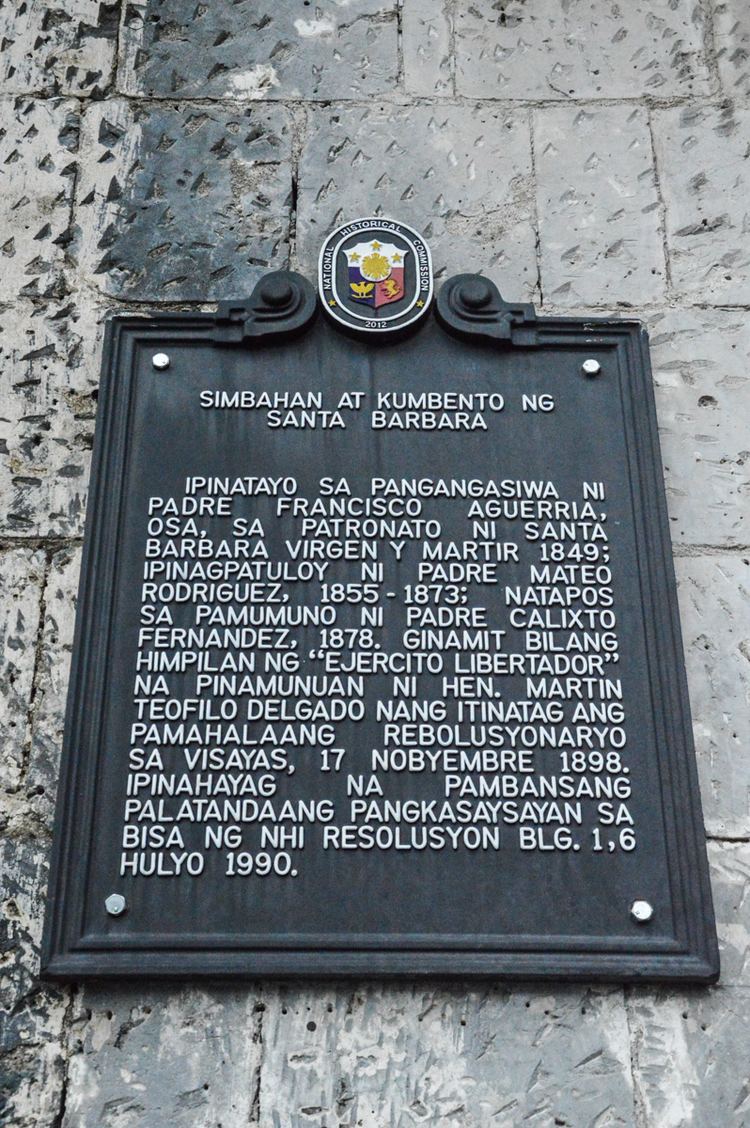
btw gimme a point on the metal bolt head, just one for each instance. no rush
(115, 904)
(641, 911)
(591, 367)
(160, 361)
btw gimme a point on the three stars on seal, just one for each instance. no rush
(376, 273)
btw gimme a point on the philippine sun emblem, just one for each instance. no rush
(375, 275)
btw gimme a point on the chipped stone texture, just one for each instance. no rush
(730, 881)
(598, 206)
(260, 50)
(448, 1057)
(714, 593)
(699, 361)
(58, 47)
(24, 880)
(461, 175)
(182, 203)
(702, 161)
(49, 360)
(52, 689)
(426, 29)
(21, 578)
(32, 1066)
(732, 35)
(38, 143)
(690, 1059)
(580, 49)
(31, 1016)
(178, 1056)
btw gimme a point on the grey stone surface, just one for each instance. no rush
(690, 1057)
(32, 1064)
(730, 881)
(57, 46)
(714, 594)
(50, 359)
(260, 50)
(182, 202)
(580, 49)
(51, 690)
(23, 868)
(598, 205)
(38, 143)
(21, 579)
(444, 1056)
(699, 361)
(460, 174)
(732, 36)
(164, 1056)
(702, 161)
(427, 35)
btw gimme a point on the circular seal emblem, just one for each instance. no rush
(375, 275)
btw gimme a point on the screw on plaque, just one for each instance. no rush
(160, 361)
(591, 367)
(641, 911)
(115, 904)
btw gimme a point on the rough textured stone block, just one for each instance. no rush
(703, 403)
(164, 1056)
(49, 360)
(57, 46)
(732, 38)
(580, 49)
(426, 46)
(260, 50)
(444, 1056)
(23, 870)
(52, 689)
(702, 163)
(730, 881)
(21, 578)
(182, 202)
(690, 1059)
(32, 1067)
(38, 143)
(714, 596)
(598, 206)
(460, 175)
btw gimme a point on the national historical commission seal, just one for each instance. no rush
(375, 275)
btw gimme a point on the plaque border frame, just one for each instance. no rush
(692, 957)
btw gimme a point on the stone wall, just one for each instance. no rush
(589, 155)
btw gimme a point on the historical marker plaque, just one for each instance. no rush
(377, 665)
